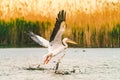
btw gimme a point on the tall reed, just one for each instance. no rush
(100, 28)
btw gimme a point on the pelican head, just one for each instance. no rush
(67, 40)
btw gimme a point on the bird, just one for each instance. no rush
(56, 44)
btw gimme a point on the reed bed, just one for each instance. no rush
(12, 34)
(100, 28)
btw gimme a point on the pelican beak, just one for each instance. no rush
(71, 41)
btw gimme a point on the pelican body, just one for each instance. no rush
(56, 44)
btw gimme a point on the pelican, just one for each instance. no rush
(56, 44)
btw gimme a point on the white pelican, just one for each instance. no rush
(56, 44)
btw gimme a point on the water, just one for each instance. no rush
(94, 64)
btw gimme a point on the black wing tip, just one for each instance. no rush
(29, 33)
(61, 16)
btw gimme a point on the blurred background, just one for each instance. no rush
(91, 23)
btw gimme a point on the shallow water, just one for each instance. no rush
(93, 64)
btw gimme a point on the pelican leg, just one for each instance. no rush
(57, 64)
(47, 59)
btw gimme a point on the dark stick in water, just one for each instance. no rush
(57, 64)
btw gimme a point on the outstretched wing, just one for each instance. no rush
(61, 18)
(38, 39)
(55, 39)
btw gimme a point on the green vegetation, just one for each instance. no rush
(91, 37)
(12, 34)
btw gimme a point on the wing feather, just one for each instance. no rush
(59, 20)
(38, 39)
(55, 39)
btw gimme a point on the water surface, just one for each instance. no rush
(94, 64)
